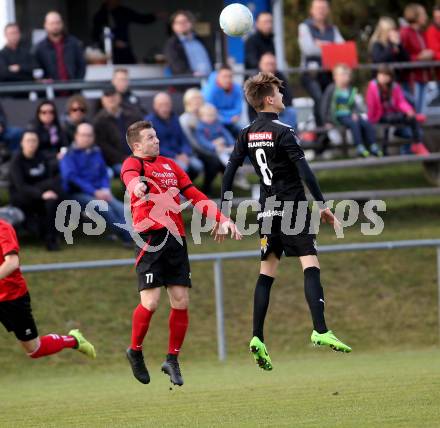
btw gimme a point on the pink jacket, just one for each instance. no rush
(374, 103)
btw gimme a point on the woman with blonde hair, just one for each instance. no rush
(384, 45)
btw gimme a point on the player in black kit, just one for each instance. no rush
(285, 220)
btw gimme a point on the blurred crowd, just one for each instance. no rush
(75, 153)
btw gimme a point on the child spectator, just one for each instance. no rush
(339, 107)
(387, 104)
(212, 135)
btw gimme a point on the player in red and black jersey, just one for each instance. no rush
(154, 183)
(15, 305)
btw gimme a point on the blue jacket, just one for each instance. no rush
(228, 104)
(207, 133)
(84, 171)
(172, 139)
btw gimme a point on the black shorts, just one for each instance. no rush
(16, 316)
(292, 245)
(163, 261)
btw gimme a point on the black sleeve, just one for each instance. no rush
(381, 53)
(139, 18)
(251, 53)
(290, 143)
(309, 178)
(19, 184)
(238, 155)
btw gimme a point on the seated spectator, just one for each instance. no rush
(16, 63)
(121, 82)
(35, 188)
(259, 42)
(212, 135)
(173, 143)
(387, 104)
(59, 55)
(432, 36)
(118, 18)
(185, 51)
(47, 126)
(111, 125)
(312, 34)
(76, 113)
(226, 96)
(339, 107)
(85, 178)
(268, 64)
(9, 135)
(413, 40)
(189, 119)
(385, 45)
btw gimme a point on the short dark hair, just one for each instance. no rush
(260, 86)
(224, 67)
(11, 24)
(385, 69)
(134, 130)
(120, 70)
(189, 15)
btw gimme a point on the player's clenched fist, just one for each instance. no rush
(140, 190)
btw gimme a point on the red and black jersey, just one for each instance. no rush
(14, 285)
(161, 208)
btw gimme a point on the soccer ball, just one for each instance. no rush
(236, 20)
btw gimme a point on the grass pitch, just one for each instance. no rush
(316, 389)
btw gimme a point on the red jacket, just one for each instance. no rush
(432, 37)
(374, 103)
(414, 42)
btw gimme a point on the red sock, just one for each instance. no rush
(178, 322)
(53, 343)
(140, 322)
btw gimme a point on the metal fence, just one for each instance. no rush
(218, 259)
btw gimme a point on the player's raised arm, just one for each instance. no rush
(131, 173)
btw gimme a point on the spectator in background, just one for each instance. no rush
(85, 178)
(35, 188)
(385, 45)
(226, 96)
(59, 55)
(189, 119)
(432, 36)
(185, 51)
(268, 64)
(111, 125)
(76, 113)
(47, 126)
(173, 143)
(16, 63)
(339, 107)
(118, 18)
(259, 42)
(413, 40)
(386, 104)
(9, 135)
(121, 82)
(312, 34)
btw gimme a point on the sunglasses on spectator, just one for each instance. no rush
(47, 111)
(78, 109)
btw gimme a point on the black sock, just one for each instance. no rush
(171, 357)
(261, 302)
(315, 298)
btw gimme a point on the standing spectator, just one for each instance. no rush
(10, 135)
(60, 55)
(413, 40)
(189, 119)
(226, 96)
(387, 104)
(16, 63)
(185, 51)
(76, 113)
(260, 42)
(118, 18)
(121, 82)
(35, 188)
(339, 107)
(111, 125)
(47, 126)
(385, 45)
(85, 178)
(268, 64)
(173, 143)
(312, 34)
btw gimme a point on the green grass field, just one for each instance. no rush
(316, 389)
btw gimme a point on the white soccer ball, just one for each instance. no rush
(236, 20)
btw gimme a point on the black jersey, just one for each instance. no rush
(273, 148)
